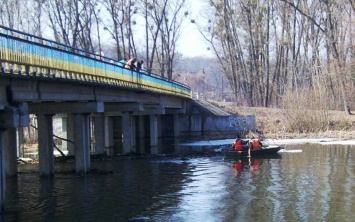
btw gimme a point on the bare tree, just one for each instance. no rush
(269, 48)
(162, 25)
(170, 33)
(119, 26)
(239, 39)
(16, 15)
(36, 17)
(329, 26)
(72, 22)
(352, 3)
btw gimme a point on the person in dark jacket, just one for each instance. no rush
(139, 65)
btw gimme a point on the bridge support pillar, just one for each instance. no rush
(109, 146)
(134, 135)
(10, 117)
(140, 134)
(127, 132)
(20, 145)
(176, 131)
(82, 142)
(176, 125)
(11, 152)
(154, 134)
(45, 144)
(2, 170)
(99, 127)
(68, 133)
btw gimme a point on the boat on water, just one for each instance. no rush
(264, 151)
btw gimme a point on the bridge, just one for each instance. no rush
(45, 78)
(94, 97)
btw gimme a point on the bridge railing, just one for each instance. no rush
(26, 55)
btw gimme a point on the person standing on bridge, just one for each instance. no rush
(130, 64)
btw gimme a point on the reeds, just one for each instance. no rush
(306, 111)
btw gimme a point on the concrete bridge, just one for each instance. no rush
(94, 97)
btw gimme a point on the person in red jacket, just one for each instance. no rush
(255, 143)
(238, 144)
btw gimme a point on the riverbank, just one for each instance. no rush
(272, 123)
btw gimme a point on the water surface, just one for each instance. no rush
(317, 184)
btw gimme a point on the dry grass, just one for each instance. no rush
(273, 123)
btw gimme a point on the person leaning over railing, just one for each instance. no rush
(130, 64)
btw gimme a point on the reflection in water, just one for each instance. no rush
(248, 164)
(316, 184)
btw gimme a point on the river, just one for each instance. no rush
(308, 182)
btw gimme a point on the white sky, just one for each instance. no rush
(191, 43)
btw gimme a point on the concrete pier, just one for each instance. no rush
(68, 133)
(99, 127)
(127, 132)
(11, 117)
(11, 152)
(45, 144)
(109, 136)
(20, 145)
(176, 131)
(82, 143)
(140, 134)
(2, 170)
(153, 134)
(133, 135)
